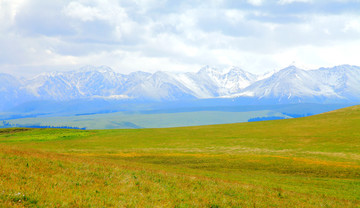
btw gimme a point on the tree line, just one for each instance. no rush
(6, 124)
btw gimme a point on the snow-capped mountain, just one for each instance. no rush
(158, 86)
(210, 82)
(87, 82)
(296, 85)
(12, 91)
(103, 82)
(289, 85)
(292, 84)
(344, 80)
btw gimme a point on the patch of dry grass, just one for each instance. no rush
(38, 179)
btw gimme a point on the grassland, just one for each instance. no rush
(126, 120)
(305, 162)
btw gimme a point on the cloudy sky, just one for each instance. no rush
(151, 35)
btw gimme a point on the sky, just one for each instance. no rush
(178, 35)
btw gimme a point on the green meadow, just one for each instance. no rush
(126, 120)
(305, 162)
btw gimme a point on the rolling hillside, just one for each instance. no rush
(305, 162)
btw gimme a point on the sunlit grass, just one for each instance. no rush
(306, 162)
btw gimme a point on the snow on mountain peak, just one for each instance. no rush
(290, 84)
(101, 69)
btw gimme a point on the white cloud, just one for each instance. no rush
(167, 35)
(255, 2)
(313, 57)
(105, 10)
(352, 25)
(235, 15)
(85, 13)
(8, 11)
(292, 1)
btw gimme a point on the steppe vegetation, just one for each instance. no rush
(305, 162)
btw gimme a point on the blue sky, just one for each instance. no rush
(149, 35)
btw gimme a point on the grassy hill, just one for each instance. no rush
(305, 162)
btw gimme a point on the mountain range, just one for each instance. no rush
(289, 85)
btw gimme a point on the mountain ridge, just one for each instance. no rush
(288, 85)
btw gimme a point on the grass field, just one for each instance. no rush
(125, 120)
(304, 162)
